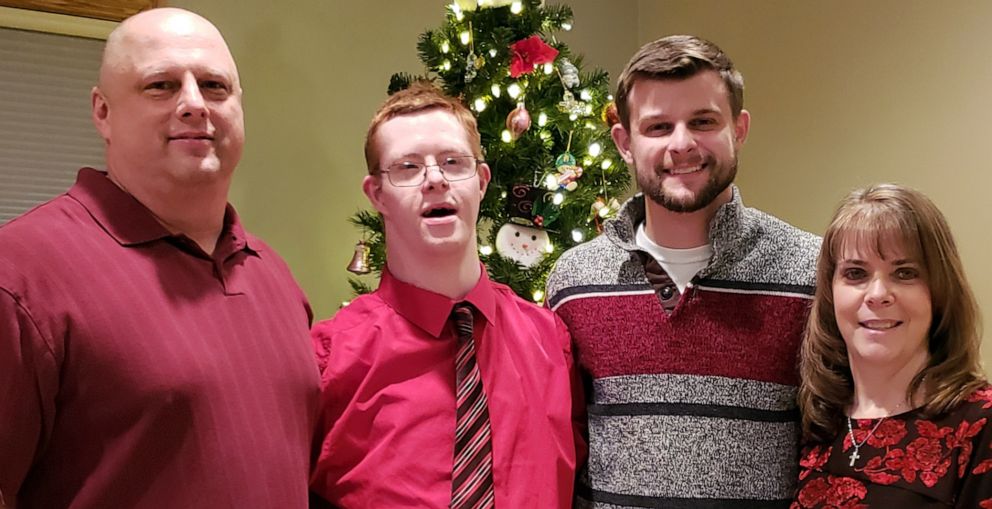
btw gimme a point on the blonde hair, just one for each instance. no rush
(420, 96)
(878, 218)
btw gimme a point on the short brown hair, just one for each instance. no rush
(420, 96)
(678, 57)
(877, 218)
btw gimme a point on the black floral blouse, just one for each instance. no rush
(908, 462)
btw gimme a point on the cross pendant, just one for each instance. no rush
(854, 457)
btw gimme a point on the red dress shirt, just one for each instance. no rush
(139, 372)
(388, 402)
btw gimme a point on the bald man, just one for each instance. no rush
(152, 353)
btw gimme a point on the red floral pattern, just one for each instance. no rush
(921, 460)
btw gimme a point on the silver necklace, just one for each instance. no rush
(850, 429)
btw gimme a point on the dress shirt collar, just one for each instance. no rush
(131, 223)
(430, 311)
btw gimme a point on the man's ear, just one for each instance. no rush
(621, 138)
(485, 175)
(372, 187)
(741, 127)
(100, 113)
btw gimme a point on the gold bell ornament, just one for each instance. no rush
(360, 260)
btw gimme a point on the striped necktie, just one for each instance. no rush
(472, 478)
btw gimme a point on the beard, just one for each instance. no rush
(721, 176)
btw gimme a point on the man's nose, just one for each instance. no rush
(191, 102)
(682, 139)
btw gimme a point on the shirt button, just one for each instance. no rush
(667, 292)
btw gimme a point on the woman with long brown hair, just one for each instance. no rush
(895, 407)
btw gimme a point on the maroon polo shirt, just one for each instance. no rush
(388, 402)
(136, 371)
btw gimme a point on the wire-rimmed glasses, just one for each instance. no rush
(413, 173)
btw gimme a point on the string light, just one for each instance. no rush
(587, 162)
(506, 136)
(514, 90)
(595, 149)
(480, 105)
(609, 97)
(538, 296)
(516, 7)
(444, 47)
(465, 37)
(548, 68)
(573, 117)
(486, 250)
(585, 95)
(606, 164)
(566, 26)
(542, 119)
(492, 53)
(545, 135)
(496, 90)
(550, 248)
(446, 65)
(577, 235)
(550, 182)
(558, 198)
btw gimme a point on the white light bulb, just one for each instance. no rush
(550, 182)
(459, 16)
(566, 26)
(480, 105)
(503, 194)
(465, 37)
(516, 7)
(513, 90)
(345, 303)
(545, 135)
(606, 164)
(550, 248)
(605, 211)
(588, 109)
(446, 65)
(548, 68)
(538, 296)
(577, 235)
(486, 250)
(573, 117)
(444, 47)
(542, 119)
(455, 8)
(609, 97)
(585, 95)
(492, 52)
(496, 90)
(595, 149)
(506, 136)
(558, 198)
(587, 162)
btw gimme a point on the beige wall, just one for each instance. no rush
(314, 71)
(846, 93)
(842, 93)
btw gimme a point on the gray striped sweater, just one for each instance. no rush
(691, 396)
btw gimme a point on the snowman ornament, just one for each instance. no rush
(525, 245)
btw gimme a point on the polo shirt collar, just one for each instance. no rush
(431, 311)
(128, 221)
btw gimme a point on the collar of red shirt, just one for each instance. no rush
(131, 223)
(430, 311)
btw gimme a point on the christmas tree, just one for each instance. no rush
(545, 134)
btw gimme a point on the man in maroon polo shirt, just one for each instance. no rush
(152, 353)
(417, 411)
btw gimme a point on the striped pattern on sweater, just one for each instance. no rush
(694, 407)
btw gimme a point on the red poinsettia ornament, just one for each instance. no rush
(528, 53)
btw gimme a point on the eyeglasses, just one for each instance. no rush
(412, 174)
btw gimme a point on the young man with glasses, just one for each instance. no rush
(441, 388)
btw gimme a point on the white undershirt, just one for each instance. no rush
(680, 264)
